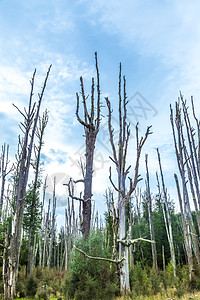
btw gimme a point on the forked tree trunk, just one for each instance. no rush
(119, 158)
(31, 118)
(182, 161)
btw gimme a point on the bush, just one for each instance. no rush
(42, 293)
(90, 279)
(139, 280)
(21, 289)
(155, 282)
(31, 286)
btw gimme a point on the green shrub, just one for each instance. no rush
(90, 279)
(31, 286)
(155, 282)
(140, 282)
(42, 293)
(21, 289)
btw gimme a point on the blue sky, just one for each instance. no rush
(158, 43)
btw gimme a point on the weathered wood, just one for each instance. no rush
(91, 128)
(30, 116)
(186, 162)
(117, 262)
(152, 233)
(168, 219)
(119, 158)
(4, 171)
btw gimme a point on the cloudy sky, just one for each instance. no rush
(158, 44)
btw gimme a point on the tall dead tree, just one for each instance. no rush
(35, 188)
(188, 165)
(152, 233)
(186, 233)
(91, 128)
(119, 159)
(28, 127)
(53, 229)
(167, 216)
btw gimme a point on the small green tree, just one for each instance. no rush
(91, 279)
(31, 286)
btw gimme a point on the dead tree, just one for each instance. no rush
(138, 197)
(152, 233)
(167, 216)
(28, 127)
(53, 229)
(69, 227)
(186, 170)
(91, 128)
(35, 188)
(4, 162)
(186, 233)
(119, 159)
(41, 239)
(46, 233)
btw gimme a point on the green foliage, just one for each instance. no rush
(155, 282)
(21, 283)
(42, 293)
(139, 280)
(32, 211)
(91, 279)
(21, 289)
(31, 286)
(109, 230)
(51, 278)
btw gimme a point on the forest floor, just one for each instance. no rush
(195, 296)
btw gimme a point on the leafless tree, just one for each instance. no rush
(35, 189)
(119, 159)
(152, 233)
(187, 151)
(167, 217)
(91, 128)
(4, 171)
(28, 127)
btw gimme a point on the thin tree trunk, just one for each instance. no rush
(152, 234)
(31, 118)
(187, 238)
(170, 234)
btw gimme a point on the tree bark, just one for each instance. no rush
(152, 233)
(119, 159)
(29, 127)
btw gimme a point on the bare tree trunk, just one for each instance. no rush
(168, 219)
(4, 162)
(138, 197)
(91, 127)
(186, 233)
(52, 238)
(39, 134)
(152, 234)
(181, 154)
(46, 238)
(5, 271)
(119, 159)
(31, 118)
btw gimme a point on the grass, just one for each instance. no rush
(195, 296)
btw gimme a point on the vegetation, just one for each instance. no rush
(143, 248)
